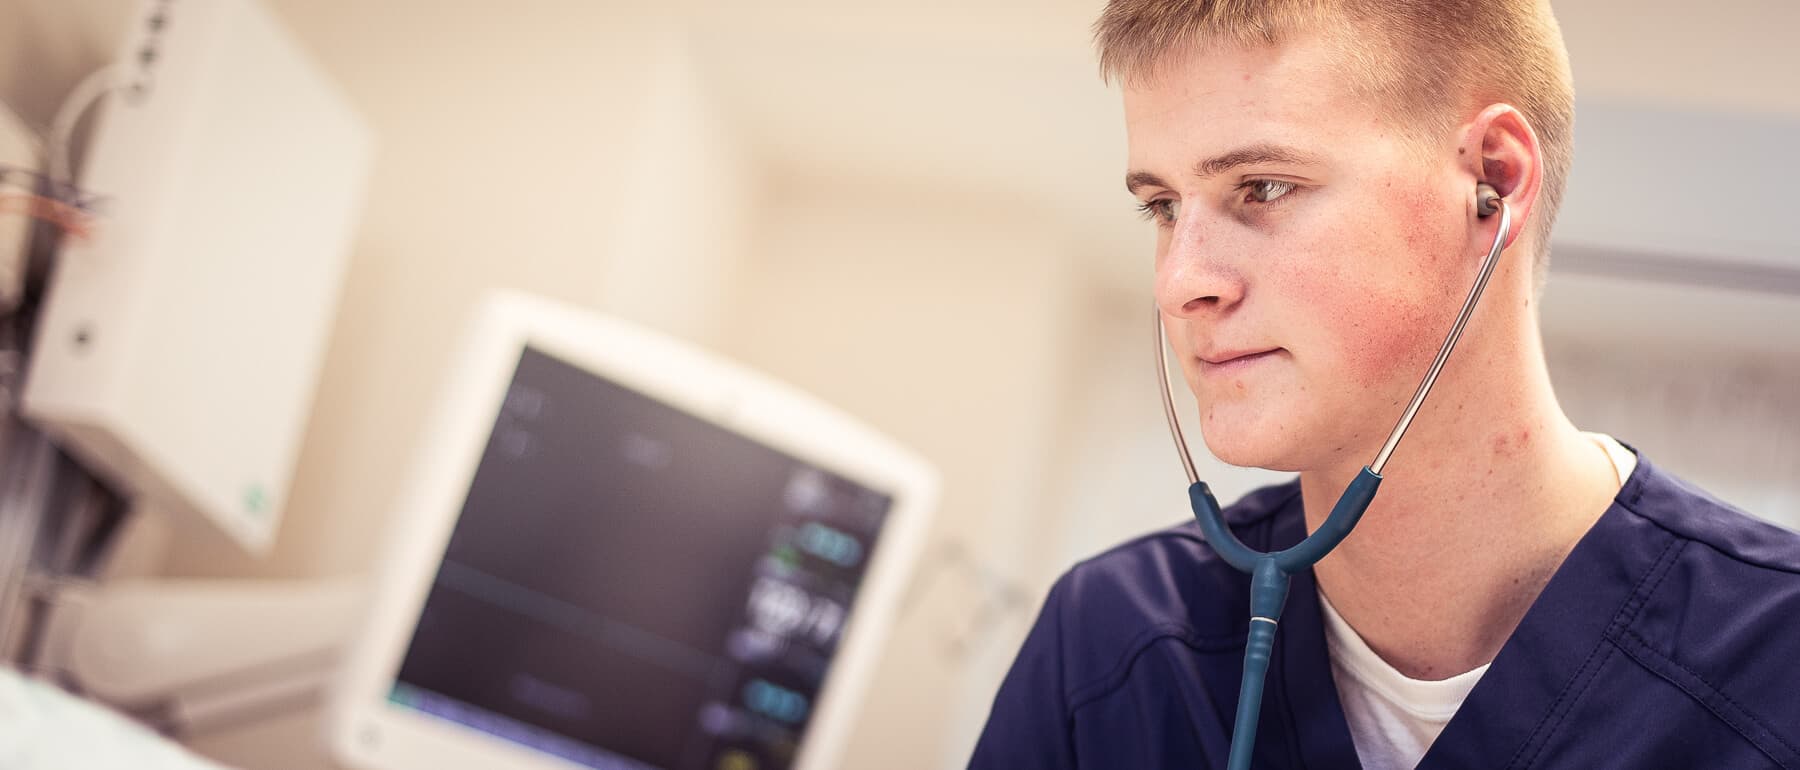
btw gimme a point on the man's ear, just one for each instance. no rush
(1502, 150)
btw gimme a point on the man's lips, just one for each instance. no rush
(1236, 356)
(1233, 362)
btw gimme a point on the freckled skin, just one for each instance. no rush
(1356, 274)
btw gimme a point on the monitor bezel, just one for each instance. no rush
(365, 730)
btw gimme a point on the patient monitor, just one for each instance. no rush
(617, 551)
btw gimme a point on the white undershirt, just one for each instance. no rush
(1393, 717)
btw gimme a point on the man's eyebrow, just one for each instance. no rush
(1219, 164)
(1140, 179)
(1256, 153)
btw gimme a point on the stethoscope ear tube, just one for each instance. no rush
(1343, 518)
(1219, 536)
(1270, 572)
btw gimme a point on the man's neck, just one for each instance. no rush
(1483, 500)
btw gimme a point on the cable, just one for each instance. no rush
(97, 84)
(18, 144)
(68, 218)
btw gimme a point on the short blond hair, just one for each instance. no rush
(1434, 61)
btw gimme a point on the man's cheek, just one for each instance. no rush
(1381, 335)
(1376, 307)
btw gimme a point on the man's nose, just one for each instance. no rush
(1194, 277)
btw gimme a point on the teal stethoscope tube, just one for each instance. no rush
(1270, 573)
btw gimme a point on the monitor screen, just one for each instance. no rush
(631, 586)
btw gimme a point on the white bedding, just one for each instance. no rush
(44, 728)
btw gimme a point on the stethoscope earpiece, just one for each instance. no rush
(1486, 199)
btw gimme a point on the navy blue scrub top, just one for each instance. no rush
(1669, 638)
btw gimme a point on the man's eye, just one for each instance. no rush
(1266, 190)
(1162, 211)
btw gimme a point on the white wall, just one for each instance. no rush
(46, 46)
(1726, 55)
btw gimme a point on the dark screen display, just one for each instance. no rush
(629, 586)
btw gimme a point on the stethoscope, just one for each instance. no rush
(1270, 572)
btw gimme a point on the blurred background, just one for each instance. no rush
(913, 210)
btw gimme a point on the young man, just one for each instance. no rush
(1521, 593)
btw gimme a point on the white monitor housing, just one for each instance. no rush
(177, 351)
(619, 551)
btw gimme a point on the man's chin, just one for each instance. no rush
(1250, 453)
